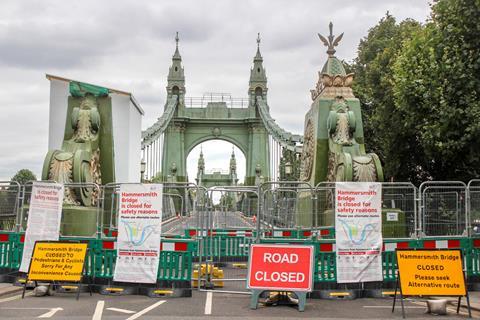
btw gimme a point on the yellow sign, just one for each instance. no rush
(431, 272)
(57, 261)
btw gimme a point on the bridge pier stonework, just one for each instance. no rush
(334, 146)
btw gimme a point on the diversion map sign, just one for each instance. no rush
(57, 261)
(431, 272)
(139, 229)
(358, 231)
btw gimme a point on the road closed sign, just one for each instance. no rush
(431, 272)
(280, 267)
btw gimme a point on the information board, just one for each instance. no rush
(139, 229)
(358, 231)
(280, 267)
(431, 272)
(44, 214)
(57, 261)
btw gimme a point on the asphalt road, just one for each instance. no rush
(201, 305)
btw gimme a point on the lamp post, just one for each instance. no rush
(143, 167)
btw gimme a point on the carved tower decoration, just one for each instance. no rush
(334, 147)
(84, 158)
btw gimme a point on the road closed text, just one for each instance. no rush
(280, 267)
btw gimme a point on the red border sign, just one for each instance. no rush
(280, 267)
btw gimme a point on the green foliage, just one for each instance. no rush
(373, 85)
(23, 176)
(437, 88)
(420, 89)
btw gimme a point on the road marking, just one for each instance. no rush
(15, 297)
(390, 307)
(141, 313)
(121, 310)
(208, 303)
(97, 315)
(50, 313)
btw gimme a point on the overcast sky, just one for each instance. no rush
(127, 45)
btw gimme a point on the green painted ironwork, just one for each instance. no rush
(244, 123)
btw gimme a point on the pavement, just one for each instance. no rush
(204, 305)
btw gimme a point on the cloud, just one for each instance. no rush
(127, 46)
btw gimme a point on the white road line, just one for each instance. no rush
(121, 310)
(208, 303)
(390, 307)
(98, 310)
(50, 313)
(15, 297)
(141, 313)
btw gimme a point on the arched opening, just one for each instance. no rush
(175, 90)
(258, 91)
(216, 154)
(217, 163)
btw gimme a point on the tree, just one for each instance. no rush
(23, 176)
(437, 89)
(383, 126)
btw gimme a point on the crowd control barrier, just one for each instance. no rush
(204, 236)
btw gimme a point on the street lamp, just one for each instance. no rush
(143, 168)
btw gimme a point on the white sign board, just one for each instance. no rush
(139, 230)
(358, 231)
(392, 216)
(44, 216)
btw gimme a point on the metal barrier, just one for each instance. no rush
(9, 205)
(399, 209)
(285, 205)
(179, 208)
(219, 235)
(224, 239)
(70, 224)
(473, 208)
(443, 206)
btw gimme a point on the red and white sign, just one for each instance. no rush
(280, 267)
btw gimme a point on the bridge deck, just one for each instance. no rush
(221, 220)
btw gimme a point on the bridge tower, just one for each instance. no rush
(174, 161)
(258, 163)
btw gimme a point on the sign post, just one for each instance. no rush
(54, 261)
(430, 273)
(280, 268)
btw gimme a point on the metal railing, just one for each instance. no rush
(202, 102)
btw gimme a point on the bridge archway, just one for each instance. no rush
(187, 122)
(216, 163)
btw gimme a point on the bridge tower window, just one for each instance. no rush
(258, 91)
(175, 90)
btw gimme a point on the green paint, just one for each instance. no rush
(191, 126)
(86, 156)
(80, 89)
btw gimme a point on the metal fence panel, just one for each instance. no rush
(444, 210)
(10, 192)
(474, 207)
